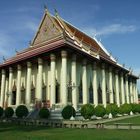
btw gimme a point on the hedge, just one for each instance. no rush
(100, 111)
(1, 111)
(113, 109)
(21, 111)
(44, 113)
(87, 111)
(9, 112)
(125, 108)
(68, 111)
(135, 108)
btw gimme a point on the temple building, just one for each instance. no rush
(63, 65)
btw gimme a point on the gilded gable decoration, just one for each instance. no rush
(47, 30)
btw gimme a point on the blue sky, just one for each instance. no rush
(115, 22)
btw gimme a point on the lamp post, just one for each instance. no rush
(72, 86)
(110, 93)
(6, 103)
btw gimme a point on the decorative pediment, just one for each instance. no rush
(48, 30)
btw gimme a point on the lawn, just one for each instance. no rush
(134, 120)
(14, 132)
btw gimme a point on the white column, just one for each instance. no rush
(131, 91)
(28, 83)
(39, 82)
(53, 80)
(126, 89)
(133, 88)
(111, 85)
(2, 88)
(74, 82)
(64, 78)
(136, 92)
(84, 83)
(18, 94)
(117, 88)
(103, 85)
(95, 92)
(10, 85)
(6, 94)
(122, 88)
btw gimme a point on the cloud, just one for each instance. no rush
(17, 34)
(32, 26)
(24, 9)
(5, 41)
(12, 38)
(19, 10)
(111, 29)
(17, 29)
(7, 46)
(116, 28)
(137, 71)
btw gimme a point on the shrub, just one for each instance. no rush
(125, 108)
(112, 108)
(100, 111)
(68, 111)
(21, 111)
(87, 111)
(138, 108)
(135, 108)
(9, 112)
(1, 111)
(44, 113)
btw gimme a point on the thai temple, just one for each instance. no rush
(62, 66)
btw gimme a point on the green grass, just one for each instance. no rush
(14, 132)
(134, 120)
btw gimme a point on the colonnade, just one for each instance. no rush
(122, 88)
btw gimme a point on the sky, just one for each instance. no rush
(116, 23)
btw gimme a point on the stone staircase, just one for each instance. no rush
(56, 115)
(33, 114)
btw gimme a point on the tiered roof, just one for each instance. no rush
(54, 32)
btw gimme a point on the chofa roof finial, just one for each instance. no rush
(45, 7)
(4, 59)
(56, 13)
